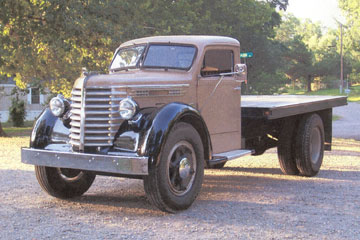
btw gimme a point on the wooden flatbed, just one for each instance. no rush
(278, 106)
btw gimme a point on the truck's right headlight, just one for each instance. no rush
(57, 105)
(128, 108)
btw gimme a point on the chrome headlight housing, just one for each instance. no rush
(128, 108)
(57, 105)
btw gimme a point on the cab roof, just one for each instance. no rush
(197, 40)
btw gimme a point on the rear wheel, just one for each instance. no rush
(286, 149)
(310, 145)
(176, 181)
(64, 182)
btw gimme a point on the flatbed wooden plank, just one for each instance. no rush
(277, 106)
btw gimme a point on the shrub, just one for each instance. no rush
(17, 111)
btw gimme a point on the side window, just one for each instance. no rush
(35, 96)
(217, 61)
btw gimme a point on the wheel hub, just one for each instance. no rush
(181, 168)
(184, 168)
(70, 174)
(315, 145)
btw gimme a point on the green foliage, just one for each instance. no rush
(354, 95)
(277, 81)
(50, 41)
(17, 110)
(312, 53)
(46, 43)
(351, 9)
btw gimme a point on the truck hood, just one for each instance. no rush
(135, 77)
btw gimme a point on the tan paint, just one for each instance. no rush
(221, 111)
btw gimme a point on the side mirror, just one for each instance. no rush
(240, 69)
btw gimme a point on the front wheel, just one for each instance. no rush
(310, 145)
(64, 182)
(176, 181)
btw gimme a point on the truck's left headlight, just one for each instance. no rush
(128, 108)
(57, 106)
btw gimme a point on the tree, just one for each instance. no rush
(297, 56)
(2, 132)
(310, 52)
(351, 10)
(299, 60)
(50, 41)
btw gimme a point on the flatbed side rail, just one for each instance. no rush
(274, 107)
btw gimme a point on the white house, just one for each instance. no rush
(34, 100)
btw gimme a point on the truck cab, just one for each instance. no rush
(157, 71)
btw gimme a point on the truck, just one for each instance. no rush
(169, 107)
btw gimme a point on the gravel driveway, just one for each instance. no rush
(248, 199)
(348, 126)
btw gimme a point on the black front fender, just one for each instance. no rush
(162, 121)
(48, 129)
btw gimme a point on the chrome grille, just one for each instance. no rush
(95, 117)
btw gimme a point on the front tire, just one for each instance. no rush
(175, 182)
(63, 182)
(310, 145)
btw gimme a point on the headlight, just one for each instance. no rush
(57, 106)
(128, 108)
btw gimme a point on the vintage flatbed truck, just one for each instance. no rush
(171, 106)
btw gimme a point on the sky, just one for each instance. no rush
(317, 10)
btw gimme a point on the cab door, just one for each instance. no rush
(219, 101)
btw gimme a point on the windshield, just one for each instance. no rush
(127, 58)
(169, 56)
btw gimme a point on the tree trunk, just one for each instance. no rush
(309, 83)
(2, 133)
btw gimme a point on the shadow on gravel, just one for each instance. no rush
(253, 170)
(107, 196)
(326, 174)
(223, 183)
(100, 201)
(344, 153)
(15, 179)
(353, 176)
(346, 143)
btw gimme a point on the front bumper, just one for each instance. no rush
(127, 164)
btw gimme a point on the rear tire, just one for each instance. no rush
(175, 182)
(286, 149)
(63, 182)
(310, 145)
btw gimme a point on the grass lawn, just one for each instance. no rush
(12, 131)
(354, 95)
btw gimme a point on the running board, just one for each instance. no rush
(226, 156)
